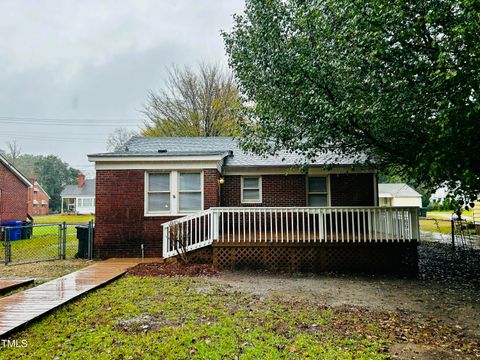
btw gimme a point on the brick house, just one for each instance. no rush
(80, 198)
(13, 193)
(38, 199)
(207, 197)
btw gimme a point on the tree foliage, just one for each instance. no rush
(54, 174)
(201, 102)
(395, 81)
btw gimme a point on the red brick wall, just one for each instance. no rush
(277, 190)
(121, 226)
(352, 189)
(39, 196)
(13, 196)
(290, 190)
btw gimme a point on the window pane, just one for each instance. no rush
(190, 201)
(251, 183)
(159, 182)
(317, 200)
(317, 184)
(190, 181)
(159, 202)
(251, 194)
(87, 202)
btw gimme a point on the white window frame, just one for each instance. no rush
(174, 193)
(189, 191)
(249, 201)
(148, 192)
(327, 185)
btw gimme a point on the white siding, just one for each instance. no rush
(407, 201)
(85, 205)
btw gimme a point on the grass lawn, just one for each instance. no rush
(179, 318)
(446, 214)
(42, 271)
(436, 225)
(59, 218)
(186, 317)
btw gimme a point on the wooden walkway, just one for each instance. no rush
(20, 308)
(7, 285)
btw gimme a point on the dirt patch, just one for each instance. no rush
(173, 269)
(447, 288)
(419, 351)
(42, 271)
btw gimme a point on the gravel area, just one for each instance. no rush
(447, 287)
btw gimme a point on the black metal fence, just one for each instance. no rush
(27, 242)
(458, 233)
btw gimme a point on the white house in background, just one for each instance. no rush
(80, 198)
(398, 195)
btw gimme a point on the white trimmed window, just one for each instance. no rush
(88, 202)
(173, 192)
(251, 189)
(190, 192)
(317, 191)
(158, 192)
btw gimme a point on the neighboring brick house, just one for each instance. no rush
(13, 193)
(80, 198)
(212, 189)
(38, 199)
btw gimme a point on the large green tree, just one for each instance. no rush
(394, 81)
(54, 175)
(201, 101)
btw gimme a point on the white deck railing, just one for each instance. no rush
(289, 225)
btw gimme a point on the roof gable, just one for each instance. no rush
(397, 190)
(88, 189)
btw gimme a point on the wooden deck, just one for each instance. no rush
(7, 285)
(19, 309)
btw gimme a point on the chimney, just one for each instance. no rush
(81, 180)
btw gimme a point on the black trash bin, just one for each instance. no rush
(27, 230)
(82, 236)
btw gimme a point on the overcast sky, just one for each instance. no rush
(73, 71)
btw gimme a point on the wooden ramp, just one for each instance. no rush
(7, 285)
(18, 309)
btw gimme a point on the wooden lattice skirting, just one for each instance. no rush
(390, 257)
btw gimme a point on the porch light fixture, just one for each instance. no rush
(221, 181)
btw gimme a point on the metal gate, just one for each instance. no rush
(40, 242)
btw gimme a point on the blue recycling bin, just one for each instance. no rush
(13, 230)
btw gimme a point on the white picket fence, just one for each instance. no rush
(289, 225)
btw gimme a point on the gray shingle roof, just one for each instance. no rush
(178, 146)
(396, 190)
(86, 190)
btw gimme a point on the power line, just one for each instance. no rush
(68, 124)
(70, 119)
